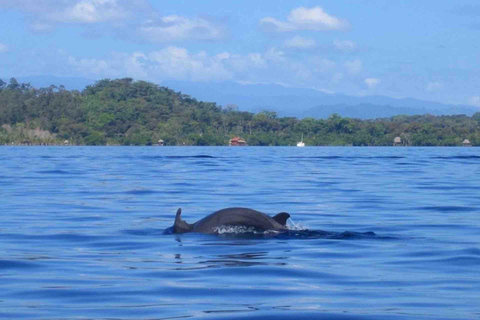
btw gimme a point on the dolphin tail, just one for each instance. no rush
(180, 226)
(177, 216)
(282, 218)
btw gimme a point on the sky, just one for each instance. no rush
(423, 49)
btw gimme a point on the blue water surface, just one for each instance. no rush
(81, 233)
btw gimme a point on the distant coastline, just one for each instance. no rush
(124, 112)
(185, 146)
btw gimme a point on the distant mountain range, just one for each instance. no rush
(291, 102)
(70, 83)
(301, 102)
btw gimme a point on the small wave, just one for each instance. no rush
(387, 157)
(295, 226)
(462, 261)
(347, 158)
(70, 237)
(57, 172)
(454, 187)
(199, 156)
(472, 251)
(320, 234)
(318, 157)
(82, 219)
(139, 192)
(288, 314)
(143, 232)
(10, 264)
(457, 157)
(448, 208)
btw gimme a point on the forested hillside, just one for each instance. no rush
(127, 112)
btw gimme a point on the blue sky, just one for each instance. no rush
(411, 48)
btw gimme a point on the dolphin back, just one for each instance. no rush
(244, 217)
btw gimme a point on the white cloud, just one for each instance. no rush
(354, 67)
(275, 55)
(223, 56)
(345, 45)
(45, 12)
(256, 58)
(372, 83)
(306, 19)
(103, 68)
(316, 19)
(475, 101)
(3, 48)
(173, 27)
(178, 63)
(274, 25)
(253, 62)
(41, 27)
(118, 65)
(90, 11)
(135, 65)
(434, 86)
(300, 43)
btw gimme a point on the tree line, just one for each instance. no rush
(128, 112)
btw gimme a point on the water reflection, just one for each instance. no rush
(243, 260)
(235, 309)
(246, 259)
(178, 258)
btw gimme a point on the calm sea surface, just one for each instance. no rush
(81, 233)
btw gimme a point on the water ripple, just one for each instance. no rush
(386, 233)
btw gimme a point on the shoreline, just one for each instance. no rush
(186, 146)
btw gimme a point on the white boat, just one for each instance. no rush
(301, 143)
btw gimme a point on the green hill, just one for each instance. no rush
(127, 112)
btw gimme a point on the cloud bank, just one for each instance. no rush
(135, 17)
(174, 62)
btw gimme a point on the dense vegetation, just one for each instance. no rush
(127, 112)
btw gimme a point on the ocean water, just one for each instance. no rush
(81, 233)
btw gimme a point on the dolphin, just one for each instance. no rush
(232, 217)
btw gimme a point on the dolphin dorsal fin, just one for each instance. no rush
(282, 218)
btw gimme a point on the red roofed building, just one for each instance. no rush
(237, 141)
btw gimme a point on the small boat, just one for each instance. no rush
(301, 143)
